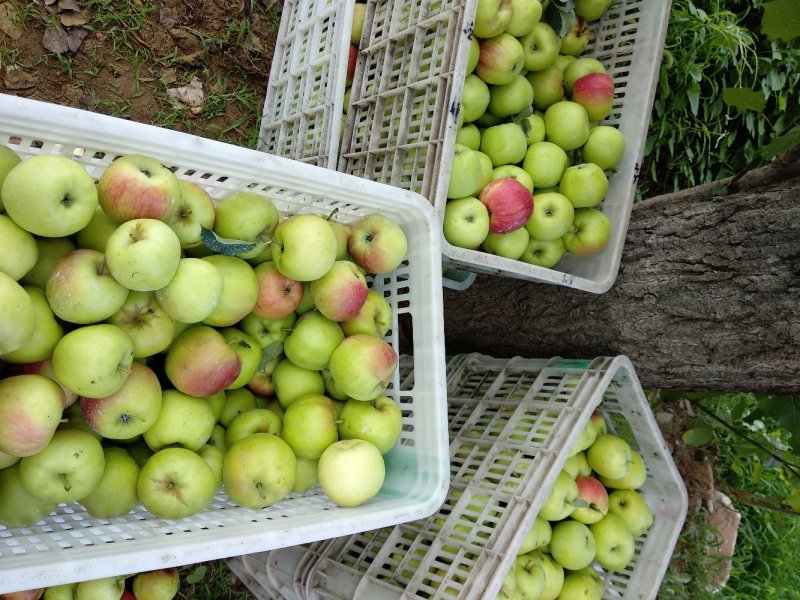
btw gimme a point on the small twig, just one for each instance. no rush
(759, 501)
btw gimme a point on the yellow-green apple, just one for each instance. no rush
(50, 250)
(377, 421)
(501, 57)
(139, 187)
(293, 382)
(504, 144)
(128, 412)
(249, 217)
(579, 67)
(631, 507)
(604, 147)
(94, 360)
(513, 172)
(49, 195)
(585, 185)
(466, 222)
(533, 126)
(469, 135)
(267, 331)
(530, 577)
(194, 291)
(487, 119)
(195, 211)
(543, 254)
(143, 254)
(160, 584)
(96, 232)
(306, 302)
(548, 86)
(259, 470)
(351, 472)
(67, 469)
(586, 438)
(249, 351)
(342, 233)
(609, 456)
(200, 362)
(566, 124)
(377, 244)
(511, 98)
(239, 290)
(217, 402)
(46, 333)
(538, 536)
(82, 290)
(590, 232)
(106, 588)
(253, 420)
(149, 326)
(492, 17)
(309, 426)
(6, 460)
(306, 475)
(584, 584)
(551, 217)
(30, 410)
(508, 245)
(595, 497)
(237, 401)
(18, 317)
(595, 92)
(524, 15)
(304, 247)
(559, 502)
(359, 13)
(20, 251)
(508, 589)
(375, 315)
(577, 465)
(574, 42)
(65, 591)
(487, 170)
(19, 508)
(633, 479)
(540, 47)
(465, 172)
(572, 545)
(217, 439)
(184, 421)
(115, 494)
(591, 10)
(614, 542)
(214, 457)
(175, 483)
(472, 61)
(332, 390)
(545, 162)
(8, 160)
(362, 366)
(475, 98)
(509, 204)
(553, 574)
(341, 292)
(312, 341)
(139, 451)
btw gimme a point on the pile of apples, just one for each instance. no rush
(160, 584)
(588, 522)
(157, 345)
(532, 159)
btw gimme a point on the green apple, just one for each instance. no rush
(583, 584)
(175, 483)
(508, 245)
(615, 546)
(586, 438)
(609, 456)
(469, 135)
(65, 470)
(115, 494)
(530, 577)
(143, 254)
(592, 10)
(359, 14)
(540, 47)
(18, 317)
(30, 410)
(6, 460)
(184, 421)
(293, 382)
(250, 421)
(572, 545)
(590, 232)
(128, 412)
(351, 472)
(50, 251)
(475, 98)
(558, 504)
(599, 421)
(267, 331)
(342, 233)
(159, 584)
(553, 574)
(566, 124)
(45, 335)
(340, 293)
(246, 216)
(249, 351)
(146, 323)
(577, 68)
(362, 366)
(543, 254)
(304, 247)
(604, 147)
(504, 144)
(82, 290)
(377, 244)
(524, 16)
(200, 362)
(466, 222)
(20, 251)
(306, 475)
(545, 162)
(513, 172)
(93, 361)
(551, 217)
(10, 159)
(194, 291)
(575, 41)
(375, 315)
(49, 195)
(18, 507)
(533, 126)
(309, 426)
(585, 185)
(492, 17)
(594, 495)
(312, 341)
(195, 211)
(237, 401)
(65, 591)
(472, 61)
(487, 169)
(577, 465)
(105, 588)
(465, 173)
(239, 290)
(259, 470)
(548, 86)
(95, 234)
(508, 589)
(378, 421)
(631, 507)
(137, 186)
(511, 98)
(214, 457)
(501, 57)
(538, 536)
(633, 479)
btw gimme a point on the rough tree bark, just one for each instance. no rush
(707, 296)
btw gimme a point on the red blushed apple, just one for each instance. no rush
(278, 296)
(595, 92)
(509, 202)
(595, 495)
(200, 362)
(126, 595)
(44, 367)
(352, 58)
(137, 186)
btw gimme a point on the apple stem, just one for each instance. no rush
(65, 482)
(261, 491)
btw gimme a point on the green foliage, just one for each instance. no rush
(211, 581)
(728, 95)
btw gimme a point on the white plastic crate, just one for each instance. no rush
(69, 545)
(302, 117)
(405, 97)
(512, 423)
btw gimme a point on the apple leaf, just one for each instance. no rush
(744, 99)
(270, 352)
(222, 245)
(197, 575)
(781, 20)
(580, 503)
(698, 436)
(560, 15)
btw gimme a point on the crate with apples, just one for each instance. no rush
(158, 584)
(200, 349)
(524, 516)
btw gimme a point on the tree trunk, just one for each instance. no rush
(707, 296)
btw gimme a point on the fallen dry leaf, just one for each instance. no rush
(75, 38)
(55, 39)
(68, 5)
(7, 24)
(188, 95)
(167, 18)
(72, 18)
(17, 79)
(168, 76)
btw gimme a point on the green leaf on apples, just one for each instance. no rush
(781, 20)
(698, 436)
(580, 503)
(222, 245)
(744, 99)
(197, 575)
(270, 352)
(560, 15)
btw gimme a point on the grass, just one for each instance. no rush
(211, 581)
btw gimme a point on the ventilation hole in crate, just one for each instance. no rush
(37, 144)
